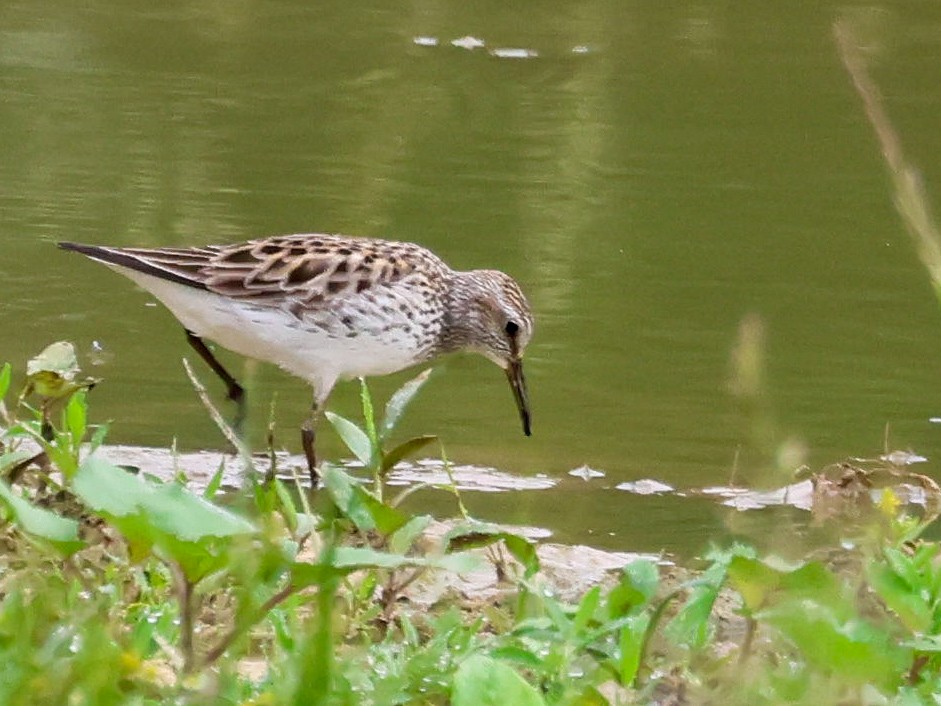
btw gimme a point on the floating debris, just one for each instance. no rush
(425, 41)
(98, 354)
(645, 486)
(514, 53)
(902, 458)
(586, 473)
(466, 477)
(580, 49)
(799, 495)
(468, 42)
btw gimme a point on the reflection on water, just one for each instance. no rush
(651, 173)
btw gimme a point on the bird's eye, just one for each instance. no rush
(512, 328)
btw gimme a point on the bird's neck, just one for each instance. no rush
(462, 313)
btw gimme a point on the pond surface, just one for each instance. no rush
(654, 174)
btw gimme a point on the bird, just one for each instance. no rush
(328, 307)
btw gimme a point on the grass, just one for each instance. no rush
(116, 589)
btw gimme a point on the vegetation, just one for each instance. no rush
(117, 588)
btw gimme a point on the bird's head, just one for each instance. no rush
(496, 322)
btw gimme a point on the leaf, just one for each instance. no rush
(637, 586)
(12, 458)
(75, 417)
(906, 601)
(519, 655)
(399, 401)
(369, 415)
(52, 373)
(690, 626)
(39, 523)
(6, 373)
(631, 647)
(762, 585)
(404, 537)
(212, 487)
(360, 506)
(484, 681)
(363, 557)
(855, 650)
(183, 527)
(406, 448)
(478, 534)
(354, 437)
(346, 560)
(586, 609)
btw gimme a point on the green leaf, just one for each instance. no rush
(38, 523)
(346, 560)
(75, 417)
(631, 647)
(586, 609)
(690, 626)
(857, 651)
(406, 448)
(52, 373)
(399, 401)
(181, 526)
(478, 534)
(519, 655)
(483, 681)
(12, 458)
(637, 586)
(761, 584)
(6, 373)
(908, 602)
(356, 558)
(369, 415)
(404, 537)
(362, 508)
(212, 487)
(355, 438)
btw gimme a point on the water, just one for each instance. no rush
(651, 173)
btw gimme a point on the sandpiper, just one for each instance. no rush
(331, 307)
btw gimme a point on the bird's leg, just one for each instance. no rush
(234, 392)
(307, 442)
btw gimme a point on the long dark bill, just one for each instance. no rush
(514, 373)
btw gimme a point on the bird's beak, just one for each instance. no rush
(514, 373)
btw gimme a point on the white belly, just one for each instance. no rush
(273, 335)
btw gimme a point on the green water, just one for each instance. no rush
(655, 174)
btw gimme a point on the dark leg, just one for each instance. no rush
(307, 443)
(235, 392)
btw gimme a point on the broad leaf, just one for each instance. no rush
(183, 527)
(355, 438)
(38, 523)
(631, 647)
(855, 650)
(637, 586)
(53, 372)
(761, 584)
(346, 560)
(406, 448)
(362, 508)
(484, 681)
(478, 534)
(404, 537)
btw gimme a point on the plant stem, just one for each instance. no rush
(240, 629)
